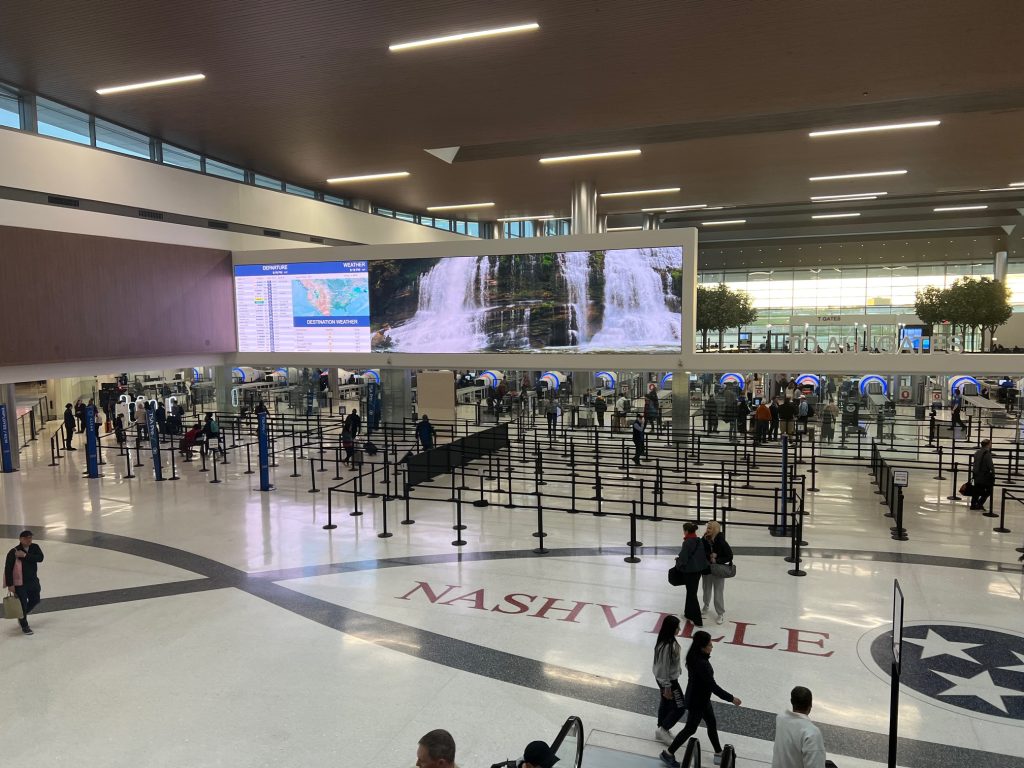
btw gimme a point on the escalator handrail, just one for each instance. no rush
(691, 758)
(571, 721)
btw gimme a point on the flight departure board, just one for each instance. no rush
(303, 307)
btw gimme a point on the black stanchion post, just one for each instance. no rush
(202, 456)
(899, 533)
(940, 475)
(215, 478)
(128, 465)
(798, 524)
(174, 466)
(953, 496)
(508, 471)
(248, 460)
(632, 543)
(1002, 514)
(295, 462)
(481, 502)
(330, 510)
(385, 534)
(138, 451)
(312, 478)
(356, 512)
(539, 533)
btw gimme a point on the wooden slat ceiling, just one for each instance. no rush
(720, 93)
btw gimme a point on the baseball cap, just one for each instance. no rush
(540, 754)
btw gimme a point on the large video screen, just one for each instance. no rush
(622, 300)
(304, 307)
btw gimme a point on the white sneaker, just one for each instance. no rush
(705, 610)
(664, 736)
(720, 619)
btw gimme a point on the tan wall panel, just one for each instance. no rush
(435, 395)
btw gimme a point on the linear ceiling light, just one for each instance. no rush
(150, 84)
(632, 193)
(369, 177)
(1003, 189)
(873, 128)
(834, 215)
(458, 38)
(723, 221)
(1017, 183)
(528, 218)
(960, 208)
(674, 208)
(851, 196)
(621, 229)
(459, 206)
(841, 176)
(590, 156)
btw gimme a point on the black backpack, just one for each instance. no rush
(370, 448)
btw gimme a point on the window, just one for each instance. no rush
(384, 212)
(291, 189)
(405, 216)
(181, 158)
(334, 200)
(123, 140)
(267, 182)
(224, 170)
(62, 122)
(10, 112)
(474, 228)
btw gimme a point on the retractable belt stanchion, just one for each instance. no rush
(215, 478)
(330, 511)
(632, 543)
(384, 534)
(128, 465)
(248, 460)
(53, 454)
(939, 476)
(1002, 515)
(481, 502)
(539, 533)
(174, 466)
(312, 478)
(899, 533)
(459, 541)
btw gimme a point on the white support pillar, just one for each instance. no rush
(584, 208)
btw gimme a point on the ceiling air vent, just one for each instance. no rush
(217, 224)
(155, 215)
(271, 233)
(71, 202)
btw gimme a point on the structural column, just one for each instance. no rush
(359, 204)
(999, 267)
(222, 388)
(584, 208)
(680, 401)
(651, 221)
(396, 396)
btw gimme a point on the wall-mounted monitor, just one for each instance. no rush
(615, 300)
(303, 307)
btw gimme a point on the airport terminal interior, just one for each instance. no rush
(367, 369)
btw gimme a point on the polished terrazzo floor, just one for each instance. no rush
(190, 623)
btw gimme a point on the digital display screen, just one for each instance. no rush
(303, 307)
(917, 338)
(620, 300)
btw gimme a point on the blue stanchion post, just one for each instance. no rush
(154, 443)
(92, 458)
(6, 458)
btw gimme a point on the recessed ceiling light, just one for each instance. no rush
(723, 221)
(842, 176)
(620, 229)
(369, 177)
(834, 215)
(851, 196)
(528, 218)
(873, 128)
(1003, 189)
(672, 208)
(459, 37)
(590, 156)
(633, 192)
(960, 208)
(150, 84)
(459, 206)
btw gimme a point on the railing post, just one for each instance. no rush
(1002, 514)
(632, 543)
(312, 477)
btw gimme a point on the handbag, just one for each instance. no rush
(967, 488)
(675, 577)
(723, 570)
(12, 608)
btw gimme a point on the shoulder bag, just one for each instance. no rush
(723, 570)
(12, 608)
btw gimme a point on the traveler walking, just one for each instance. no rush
(436, 750)
(652, 409)
(721, 567)
(21, 576)
(787, 413)
(983, 475)
(551, 411)
(829, 417)
(353, 423)
(667, 668)
(773, 429)
(69, 427)
(804, 411)
(691, 562)
(711, 414)
(763, 415)
(638, 439)
(600, 406)
(426, 433)
(700, 685)
(798, 742)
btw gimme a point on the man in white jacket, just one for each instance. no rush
(798, 742)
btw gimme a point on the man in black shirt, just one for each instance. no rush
(21, 576)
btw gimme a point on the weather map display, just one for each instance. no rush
(303, 307)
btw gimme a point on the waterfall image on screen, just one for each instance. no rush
(622, 300)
